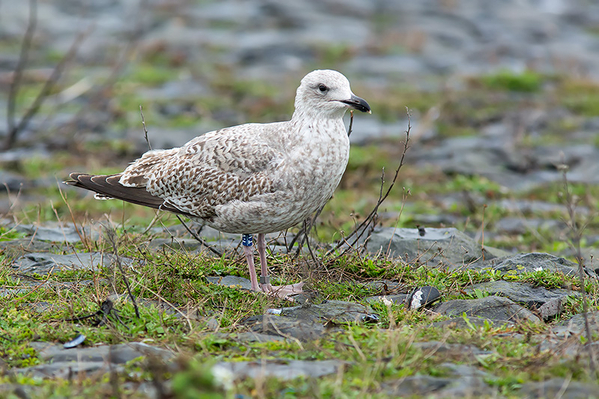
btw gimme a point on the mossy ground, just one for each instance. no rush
(375, 354)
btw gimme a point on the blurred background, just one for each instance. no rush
(500, 94)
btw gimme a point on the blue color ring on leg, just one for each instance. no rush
(246, 240)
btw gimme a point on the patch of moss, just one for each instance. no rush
(527, 81)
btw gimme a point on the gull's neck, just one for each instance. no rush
(301, 114)
(317, 128)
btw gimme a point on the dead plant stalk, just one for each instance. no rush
(576, 232)
(369, 223)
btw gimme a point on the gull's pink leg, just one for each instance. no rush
(262, 253)
(249, 255)
(283, 291)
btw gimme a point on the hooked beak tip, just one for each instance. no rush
(358, 103)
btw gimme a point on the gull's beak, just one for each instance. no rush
(358, 103)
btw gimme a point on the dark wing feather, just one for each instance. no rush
(109, 186)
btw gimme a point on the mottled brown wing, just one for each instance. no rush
(211, 170)
(108, 186)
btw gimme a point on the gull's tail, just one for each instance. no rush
(109, 187)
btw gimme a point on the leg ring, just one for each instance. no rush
(264, 280)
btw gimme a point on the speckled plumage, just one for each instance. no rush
(252, 178)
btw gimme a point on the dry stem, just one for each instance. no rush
(15, 128)
(576, 232)
(369, 222)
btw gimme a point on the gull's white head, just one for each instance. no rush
(326, 93)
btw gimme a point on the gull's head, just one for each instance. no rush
(327, 93)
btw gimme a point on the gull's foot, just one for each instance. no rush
(282, 291)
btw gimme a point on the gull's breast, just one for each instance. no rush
(302, 182)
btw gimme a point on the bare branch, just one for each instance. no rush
(21, 65)
(351, 123)
(143, 122)
(576, 232)
(43, 94)
(122, 60)
(111, 235)
(370, 220)
(194, 235)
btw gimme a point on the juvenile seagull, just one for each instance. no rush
(248, 179)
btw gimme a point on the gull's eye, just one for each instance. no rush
(323, 88)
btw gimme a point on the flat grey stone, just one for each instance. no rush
(551, 308)
(560, 347)
(465, 370)
(518, 225)
(398, 299)
(576, 325)
(427, 386)
(532, 297)
(17, 390)
(421, 385)
(492, 307)
(329, 311)
(530, 262)
(187, 244)
(252, 336)
(223, 245)
(44, 263)
(230, 281)
(559, 387)
(65, 369)
(16, 248)
(117, 354)
(535, 207)
(282, 369)
(307, 322)
(57, 233)
(27, 285)
(13, 182)
(519, 169)
(469, 387)
(438, 246)
(286, 327)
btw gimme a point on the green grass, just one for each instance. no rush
(527, 81)
(376, 354)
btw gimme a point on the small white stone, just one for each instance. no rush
(386, 301)
(222, 377)
(416, 300)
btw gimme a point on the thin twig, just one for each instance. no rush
(106, 309)
(351, 123)
(308, 224)
(143, 122)
(314, 259)
(359, 231)
(97, 96)
(194, 235)
(111, 237)
(43, 94)
(576, 232)
(21, 65)
(482, 242)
